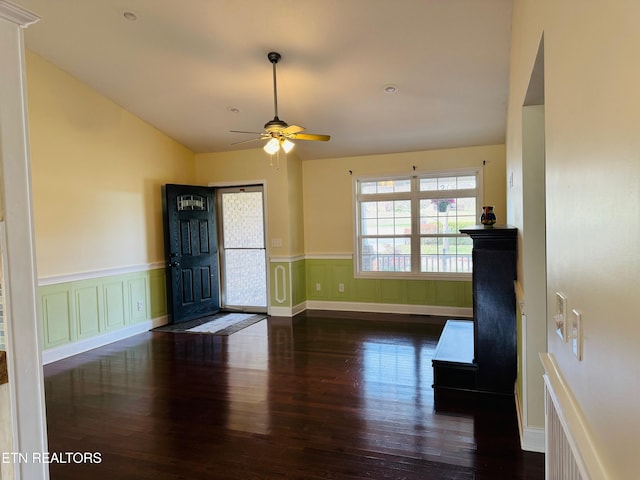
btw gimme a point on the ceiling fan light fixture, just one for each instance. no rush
(287, 145)
(272, 146)
(276, 131)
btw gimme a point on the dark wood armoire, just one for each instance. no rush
(481, 355)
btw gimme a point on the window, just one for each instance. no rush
(409, 226)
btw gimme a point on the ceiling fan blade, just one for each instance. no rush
(276, 128)
(292, 129)
(247, 141)
(309, 136)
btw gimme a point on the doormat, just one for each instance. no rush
(218, 324)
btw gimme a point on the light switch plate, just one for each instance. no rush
(561, 316)
(576, 333)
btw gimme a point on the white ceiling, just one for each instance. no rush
(182, 64)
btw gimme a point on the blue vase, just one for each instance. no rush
(488, 218)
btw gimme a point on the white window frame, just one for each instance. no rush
(414, 196)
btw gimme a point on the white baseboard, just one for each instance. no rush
(456, 312)
(444, 311)
(301, 307)
(281, 311)
(532, 439)
(288, 311)
(74, 348)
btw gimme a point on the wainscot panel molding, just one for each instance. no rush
(568, 436)
(88, 311)
(83, 314)
(57, 311)
(287, 284)
(107, 272)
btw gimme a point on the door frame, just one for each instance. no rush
(24, 357)
(219, 191)
(178, 311)
(265, 205)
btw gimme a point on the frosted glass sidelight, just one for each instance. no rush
(242, 219)
(243, 249)
(245, 277)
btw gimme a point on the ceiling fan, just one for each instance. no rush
(278, 133)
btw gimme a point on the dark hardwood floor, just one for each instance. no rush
(319, 397)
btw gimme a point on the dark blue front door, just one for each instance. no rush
(192, 251)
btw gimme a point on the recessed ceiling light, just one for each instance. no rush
(233, 109)
(390, 88)
(129, 15)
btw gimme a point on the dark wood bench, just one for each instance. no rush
(453, 362)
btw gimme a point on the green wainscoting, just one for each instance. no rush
(325, 276)
(280, 281)
(288, 282)
(77, 310)
(298, 282)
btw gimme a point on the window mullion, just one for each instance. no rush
(415, 225)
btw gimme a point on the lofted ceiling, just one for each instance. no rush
(196, 69)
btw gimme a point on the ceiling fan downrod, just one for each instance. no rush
(274, 58)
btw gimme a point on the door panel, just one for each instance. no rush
(192, 251)
(242, 248)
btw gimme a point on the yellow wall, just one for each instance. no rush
(592, 114)
(280, 179)
(96, 172)
(328, 188)
(296, 206)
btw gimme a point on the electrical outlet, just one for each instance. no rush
(561, 316)
(140, 305)
(318, 287)
(576, 333)
(341, 287)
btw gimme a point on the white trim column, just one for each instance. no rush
(26, 382)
